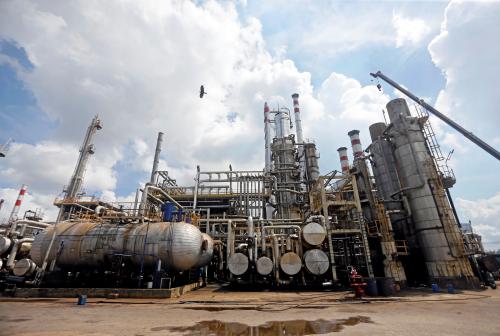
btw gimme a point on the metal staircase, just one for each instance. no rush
(447, 174)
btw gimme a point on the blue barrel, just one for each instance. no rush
(451, 289)
(82, 299)
(168, 211)
(386, 286)
(371, 287)
(435, 288)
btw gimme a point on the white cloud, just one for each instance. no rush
(139, 65)
(33, 202)
(469, 61)
(409, 31)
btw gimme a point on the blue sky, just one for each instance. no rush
(139, 67)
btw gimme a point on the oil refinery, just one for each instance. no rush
(386, 216)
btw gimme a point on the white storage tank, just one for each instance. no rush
(316, 261)
(89, 244)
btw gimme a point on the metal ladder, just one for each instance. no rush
(447, 174)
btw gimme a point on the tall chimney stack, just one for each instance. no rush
(267, 138)
(357, 149)
(344, 160)
(156, 160)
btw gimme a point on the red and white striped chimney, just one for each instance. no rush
(17, 205)
(357, 149)
(344, 160)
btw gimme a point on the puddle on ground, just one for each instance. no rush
(295, 327)
(17, 320)
(217, 309)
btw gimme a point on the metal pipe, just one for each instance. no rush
(33, 223)
(230, 243)
(156, 160)
(145, 195)
(469, 135)
(195, 199)
(251, 235)
(13, 252)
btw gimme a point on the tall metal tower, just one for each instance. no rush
(86, 150)
(5, 147)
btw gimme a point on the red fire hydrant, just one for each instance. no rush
(357, 284)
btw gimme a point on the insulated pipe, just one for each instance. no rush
(15, 247)
(32, 223)
(357, 149)
(344, 160)
(262, 237)
(156, 160)
(251, 234)
(17, 206)
(267, 138)
(276, 255)
(145, 194)
(230, 244)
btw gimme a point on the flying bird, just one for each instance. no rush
(202, 91)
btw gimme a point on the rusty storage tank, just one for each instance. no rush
(88, 244)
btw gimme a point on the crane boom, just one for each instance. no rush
(463, 131)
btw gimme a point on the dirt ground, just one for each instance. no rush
(218, 311)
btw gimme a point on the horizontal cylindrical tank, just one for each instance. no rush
(290, 263)
(313, 233)
(264, 266)
(5, 244)
(89, 244)
(238, 263)
(316, 261)
(24, 267)
(207, 250)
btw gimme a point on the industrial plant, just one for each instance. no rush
(385, 217)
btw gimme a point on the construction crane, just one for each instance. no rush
(421, 102)
(5, 148)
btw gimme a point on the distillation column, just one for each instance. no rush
(375, 213)
(436, 228)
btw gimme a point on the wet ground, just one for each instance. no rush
(217, 311)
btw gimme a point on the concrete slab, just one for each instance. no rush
(104, 292)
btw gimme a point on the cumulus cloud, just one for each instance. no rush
(139, 65)
(409, 31)
(470, 65)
